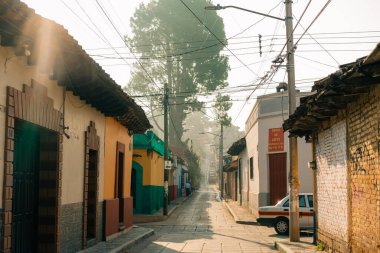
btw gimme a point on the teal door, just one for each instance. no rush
(25, 188)
(137, 187)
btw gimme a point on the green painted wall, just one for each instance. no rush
(153, 198)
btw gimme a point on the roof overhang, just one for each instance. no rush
(54, 50)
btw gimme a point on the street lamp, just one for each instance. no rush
(294, 234)
(210, 133)
(221, 179)
(219, 7)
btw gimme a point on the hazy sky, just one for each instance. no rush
(344, 31)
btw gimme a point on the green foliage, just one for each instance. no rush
(175, 48)
(320, 246)
(193, 167)
(222, 105)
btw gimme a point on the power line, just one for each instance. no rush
(221, 42)
(263, 40)
(291, 34)
(241, 48)
(312, 22)
(121, 37)
(315, 61)
(257, 22)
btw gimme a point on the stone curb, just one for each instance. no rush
(128, 244)
(282, 248)
(138, 219)
(236, 218)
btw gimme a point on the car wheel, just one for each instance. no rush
(282, 226)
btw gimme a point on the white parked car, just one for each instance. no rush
(278, 216)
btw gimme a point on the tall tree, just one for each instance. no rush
(221, 107)
(175, 48)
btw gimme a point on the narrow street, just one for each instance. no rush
(203, 224)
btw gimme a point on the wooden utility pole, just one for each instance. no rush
(166, 149)
(166, 128)
(221, 161)
(294, 227)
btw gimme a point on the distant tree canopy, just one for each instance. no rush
(193, 167)
(175, 48)
(221, 107)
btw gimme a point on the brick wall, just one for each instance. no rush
(331, 157)
(363, 164)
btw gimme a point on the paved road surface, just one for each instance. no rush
(203, 224)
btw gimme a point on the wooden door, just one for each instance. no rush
(25, 188)
(92, 195)
(277, 177)
(119, 191)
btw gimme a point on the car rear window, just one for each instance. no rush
(310, 199)
(302, 201)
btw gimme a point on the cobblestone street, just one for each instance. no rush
(203, 224)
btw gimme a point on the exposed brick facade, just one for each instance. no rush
(332, 186)
(33, 105)
(348, 180)
(364, 171)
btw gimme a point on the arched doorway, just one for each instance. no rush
(137, 187)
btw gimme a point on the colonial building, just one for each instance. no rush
(268, 153)
(342, 119)
(241, 177)
(55, 102)
(148, 173)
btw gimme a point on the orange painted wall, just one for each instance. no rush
(153, 166)
(115, 132)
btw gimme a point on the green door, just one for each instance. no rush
(25, 188)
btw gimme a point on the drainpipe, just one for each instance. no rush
(313, 166)
(240, 186)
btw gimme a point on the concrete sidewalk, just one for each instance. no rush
(240, 214)
(158, 216)
(126, 239)
(243, 216)
(121, 243)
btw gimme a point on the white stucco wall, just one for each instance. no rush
(331, 158)
(252, 151)
(15, 72)
(257, 130)
(265, 123)
(243, 156)
(77, 118)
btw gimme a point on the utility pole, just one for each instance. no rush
(167, 85)
(166, 149)
(294, 228)
(221, 161)
(294, 231)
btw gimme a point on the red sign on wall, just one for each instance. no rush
(276, 140)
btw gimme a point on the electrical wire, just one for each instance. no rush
(336, 61)
(121, 37)
(312, 22)
(220, 41)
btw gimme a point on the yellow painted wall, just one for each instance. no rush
(153, 166)
(115, 132)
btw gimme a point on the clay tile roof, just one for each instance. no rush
(333, 93)
(237, 147)
(73, 68)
